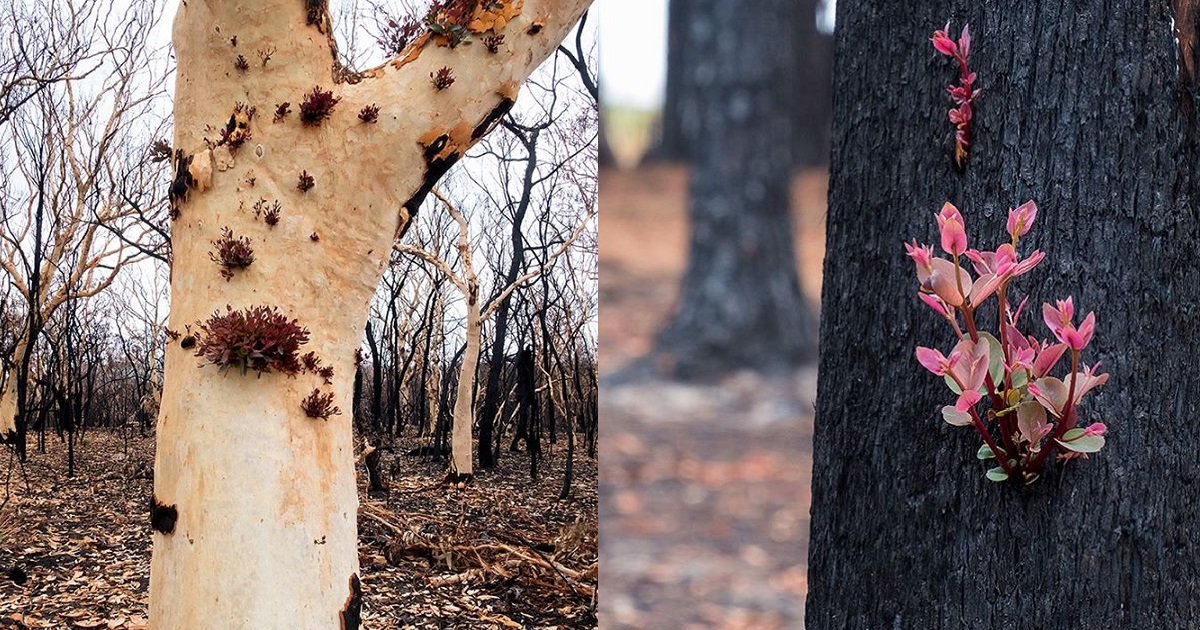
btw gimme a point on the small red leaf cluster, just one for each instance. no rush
(493, 43)
(317, 106)
(319, 405)
(233, 252)
(312, 363)
(282, 110)
(369, 114)
(258, 338)
(396, 36)
(305, 182)
(270, 216)
(443, 78)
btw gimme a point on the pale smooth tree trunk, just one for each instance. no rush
(262, 496)
(464, 415)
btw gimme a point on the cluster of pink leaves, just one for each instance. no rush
(1036, 413)
(963, 93)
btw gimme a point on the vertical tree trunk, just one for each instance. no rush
(464, 398)
(255, 501)
(1086, 111)
(740, 303)
(686, 63)
(488, 456)
(376, 380)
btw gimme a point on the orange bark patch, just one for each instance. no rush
(1187, 28)
(440, 143)
(411, 51)
(494, 19)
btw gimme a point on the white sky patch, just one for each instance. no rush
(633, 52)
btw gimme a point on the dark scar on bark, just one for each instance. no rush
(352, 610)
(316, 12)
(187, 342)
(183, 181)
(435, 168)
(496, 114)
(162, 517)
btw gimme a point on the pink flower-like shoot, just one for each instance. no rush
(1059, 322)
(944, 281)
(1052, 392)
(972, 370)
(1095, 428)
(938, 304)
(942, 42)
(967, 365)
(1047, 357)
(954, 234)
(1020, 219)
(935, 361)
(922, 255)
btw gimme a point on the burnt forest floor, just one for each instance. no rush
(502, 552)
(704, 487)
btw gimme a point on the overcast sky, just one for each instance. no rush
(633, 50)
(633, 61)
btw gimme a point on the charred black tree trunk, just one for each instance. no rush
(689, 62)
(527, 399)
(528, 138)
(356, 400)
(1089, 111)
(376, 381)
(740, 302)
(681, 104)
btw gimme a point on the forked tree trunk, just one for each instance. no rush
(256, 502)
(1091, 113)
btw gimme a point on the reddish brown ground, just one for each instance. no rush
(704, 490)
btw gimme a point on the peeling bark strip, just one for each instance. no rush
(352, 610)
(1187, 28)
(162, 517)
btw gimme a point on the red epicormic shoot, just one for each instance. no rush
(962, 93)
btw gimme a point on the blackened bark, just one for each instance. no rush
(681, 103)
(356, 404)
(689, 54)
(1081, 111)
(527, 399)
(740, 302)
(491, 396)
(376, 380)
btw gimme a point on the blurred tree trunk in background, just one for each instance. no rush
(1098, 127)
(685, 59)
(689, 57)
(740, 303)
